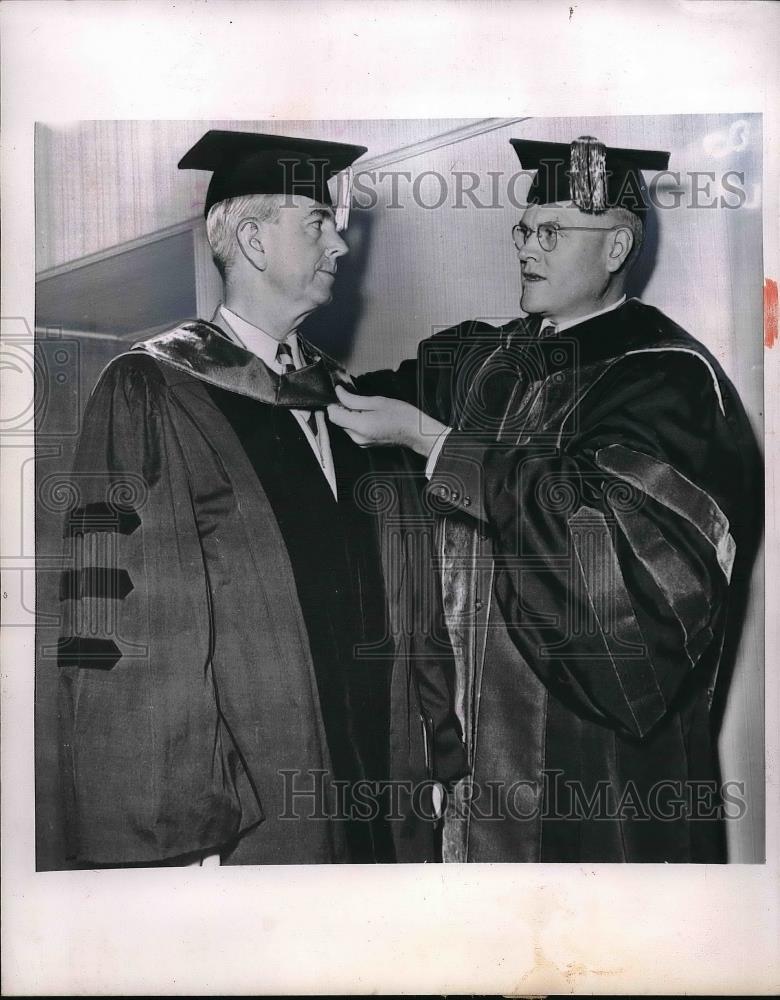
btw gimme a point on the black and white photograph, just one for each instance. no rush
(405, 521)
(389, 508)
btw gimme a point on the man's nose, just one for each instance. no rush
(528, 251)
(336, 246)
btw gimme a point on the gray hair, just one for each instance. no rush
(223, 220)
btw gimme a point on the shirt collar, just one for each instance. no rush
(260, 343)
(566, 324)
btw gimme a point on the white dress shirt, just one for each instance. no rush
(565, 324)
(433, 458)
(264, 346)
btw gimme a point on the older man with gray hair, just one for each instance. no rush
(230, 686)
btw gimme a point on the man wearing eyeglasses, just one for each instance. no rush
(597, 488)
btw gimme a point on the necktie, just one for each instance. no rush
(285, 359)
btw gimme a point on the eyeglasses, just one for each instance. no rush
(547, 233)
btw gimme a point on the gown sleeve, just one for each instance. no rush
(148, 769)
(614, 548)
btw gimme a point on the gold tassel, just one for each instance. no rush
(588, 175)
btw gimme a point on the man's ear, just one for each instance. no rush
(619, 248)
(248, 236)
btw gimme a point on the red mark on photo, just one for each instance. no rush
(770, 312)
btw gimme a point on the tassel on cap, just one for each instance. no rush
(344, 182)
(592, 176)
(588, 176)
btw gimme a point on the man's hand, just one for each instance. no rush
(377, 420)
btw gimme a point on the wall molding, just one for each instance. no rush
(438, 141)
(56, 332)
(119, 248)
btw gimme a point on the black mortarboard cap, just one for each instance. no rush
(244, 163)
(593, 176)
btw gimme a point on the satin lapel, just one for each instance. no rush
(466, 565)
(203, 351)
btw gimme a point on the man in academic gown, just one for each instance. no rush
(231, 686)
(599, 494)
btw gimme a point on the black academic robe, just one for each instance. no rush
(228, 659)
(599, 500)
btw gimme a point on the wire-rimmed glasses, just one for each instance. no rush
(547, 233)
